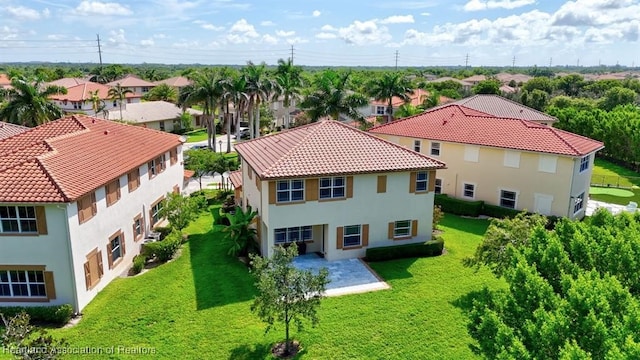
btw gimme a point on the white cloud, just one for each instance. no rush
(282, 33)
(56, 37)
(476, 5)
(23, 13)
(7, 33)
(244, 28)
(117, 38)
(184, 44)
(326, 36)
(46, 13)
(267, 23)
(159, 36)
(269, 39)
(596, 12)
(212, 27)
(316, 13)
(328, 28)
(425, 14)
(398, 19)
(147, 42)
(296, 40)
(364, 33)
(100, 8)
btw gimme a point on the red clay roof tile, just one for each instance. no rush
(236, 178)
(328, 148)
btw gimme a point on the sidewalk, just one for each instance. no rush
(592, 205)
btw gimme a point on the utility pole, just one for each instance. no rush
(396, 60)
(578, 64)
(513, 62)
(550, 62)
(99, 49)
(291, 54)
(466, 61)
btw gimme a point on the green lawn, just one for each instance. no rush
(609, 175)
(196, 135)
(197, 306)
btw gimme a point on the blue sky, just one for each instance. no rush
(329, 32)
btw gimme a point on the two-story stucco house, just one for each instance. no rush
(78, 98)
(133, 83)
(508, 162)
(77, 196)
(337, 188)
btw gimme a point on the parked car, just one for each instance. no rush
(244, 133)
(199, 147)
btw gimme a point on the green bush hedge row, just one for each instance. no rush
(430, 248)
(138, 263)
(165, 249)
(498, 211)
(57, 315)
(472, 208)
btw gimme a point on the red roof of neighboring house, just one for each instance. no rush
(65, 159)
(236, 178)
(83, 92)
(68, 82)
(131, 81)
(9, 129)
(328, 148)
(459, 124)
(499, 106)
(416, 99)
(178, 81)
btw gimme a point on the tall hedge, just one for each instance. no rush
(459, 207)
(57, 315)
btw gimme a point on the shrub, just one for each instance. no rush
(199, 201)
(430, 248)
(459, 207)
(138, 263)
(223, 194)
(58, 315)
(163, 230)
(165, 249)
(438, 214)
(499, 211)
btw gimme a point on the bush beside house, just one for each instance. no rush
(430, 248)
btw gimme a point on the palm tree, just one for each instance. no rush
(406, 110)
(331, 97)
(119, 93)
(28, 103)
(207, 90)
(163, 92)
(388, 86)
(97, 104)
(259, 87)
(431, 100)
(289, 80)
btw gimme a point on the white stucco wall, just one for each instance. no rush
(51, 250)
(95, 232)
(581, 181)
(365, 207)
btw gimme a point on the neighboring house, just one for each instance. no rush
(133, 83)
(337, 188)
(379, 108)
(77, 197)
(5, 82)
(466, 86)
(502, 107)
(519, 79)
(280, 111)
(68, 82)
(78, 99)
(158, 115)
(178, 82)
(475, 79)
(513, 163)
(9, 129)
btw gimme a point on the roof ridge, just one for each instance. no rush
(520, 105)
(282, 158)
(48, 174)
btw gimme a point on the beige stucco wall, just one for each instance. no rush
(490, 175)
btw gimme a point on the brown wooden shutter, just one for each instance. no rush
(80, 206)
(87, 275)
(365, 235)
(258, 228)
(391, 228)
(258, 183)
(311, 189)
(118, 195)
(339, 237)
(94, 206)
(149, 169)
(41, 220)
(123, 243)
(432, 181)
(412, 182)
(382, 183)
(249, 172)
(349, 186)
(100, 264)
(109, 255)
(133, 228)
(414, 228)
(272, 192)
(176, 189)
(151, 222)
(49, 285)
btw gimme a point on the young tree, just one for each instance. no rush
(28, 102)
(388, 86)
(489, 86)
(286, 294)
(240, 232)
(204, 162)
(331, 96)
(19, 337)
(162, 92)
(178, 210)
(119, 93)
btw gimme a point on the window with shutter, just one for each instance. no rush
(173, 156)
(93, 269)
(113, 192)
(87, 207)
(133, 178)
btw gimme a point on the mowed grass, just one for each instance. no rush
(196, 135)
(610, 175)
(198, 306)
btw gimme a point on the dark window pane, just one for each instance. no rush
(294, 234)
(338, 181)
(18, 276)
(297, 184)
(283, 196)
(4, 212)
(283, 185)
(37, 290)
(10, 226)
(35, 276)
(4, 276)
(5, 290)
(338, 192)
(421, 186)
(325, 182)
(325, 193)
(422, 176)
(20, 290)
(296, 195)
(28, 226)
(307, 233)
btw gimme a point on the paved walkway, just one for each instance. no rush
(348, 276)
(207, 180)
(592, 205)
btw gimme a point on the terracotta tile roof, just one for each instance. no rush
(64, 159)
(131, 81)
(4, 80)
(149, 111)
(188, 174)
(236, 178)
(8, 129)
(416, 99)
(68, 82)
(499, 106)
(448, 78)
(83, 92)
(458, 124)
(518, 78)
(475, 78)
(178, 81)
(328, 148)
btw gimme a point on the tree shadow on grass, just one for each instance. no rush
(258, 351)
(219, 278)
(467, 302)
(393, 269)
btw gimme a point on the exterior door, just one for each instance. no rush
(542, 204)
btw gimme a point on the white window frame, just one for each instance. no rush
(10, 283)
(290, 190)
(438, 186)
(155, 212)
(471, 153)
(547, 163)
(404, 228)
(502, 197)
(333, 189)
(118, 241)
(422, 181)
(304, 233)
(356, 235)
(464, 190)
(137, 228)
(511, 159)
(19, 219)
(417, 145)
(435, 149)
(578, 203)
(381, 110)
(584, 163)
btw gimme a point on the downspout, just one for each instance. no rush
(76, 305)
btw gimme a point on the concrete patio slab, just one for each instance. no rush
(350, 276)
